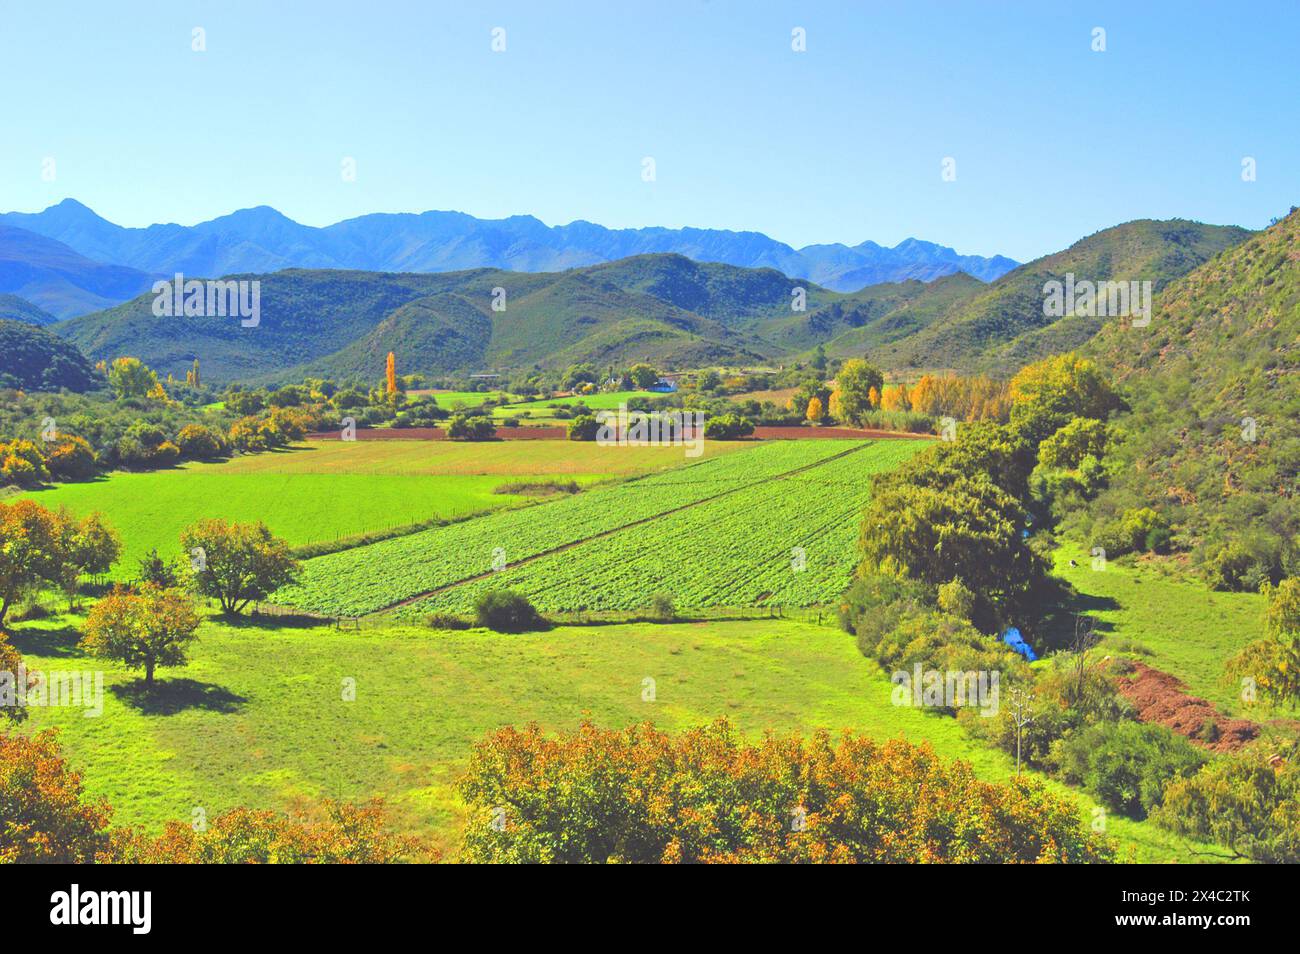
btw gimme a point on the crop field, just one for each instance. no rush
(449, 399)
(789, 542)
(745, 485)
(256, 717)
(333, 489)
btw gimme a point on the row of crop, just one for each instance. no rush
(787, 541)
(373, 577)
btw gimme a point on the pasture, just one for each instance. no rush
(258, 716)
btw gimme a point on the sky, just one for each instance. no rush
(843, 141)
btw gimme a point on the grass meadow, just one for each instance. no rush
(258, 715)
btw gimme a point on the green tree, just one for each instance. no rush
(584, 427)
(855, 382)
(237, 563)
(1273, 663)
(131, 378)
(642, 376)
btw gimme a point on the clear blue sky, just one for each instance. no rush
(840, 143)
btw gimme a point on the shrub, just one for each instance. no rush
(200, 443)
(505, 611)
(72, 458)
(663, 607)
(727, 427)
(583, 428)
(1126, 765)
(464, 428)
(445, 621)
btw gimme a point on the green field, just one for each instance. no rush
(1189, 629)
(787, 541)
(375, 577)
(449, 399)
(257, 717)
(331, 489)
(541, 412)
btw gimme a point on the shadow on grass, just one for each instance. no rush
(170, 696)
(61, 642)
(1058, 626)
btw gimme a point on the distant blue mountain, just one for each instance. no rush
(263, 240)
(57, 279)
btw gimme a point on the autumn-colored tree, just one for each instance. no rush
(390, 374)
(31, 550)
(22, 463)
(338, 834)
(815, 412)
(706, 795)
(143, 630)
(44, 816)
(894, 398)
(236, 563)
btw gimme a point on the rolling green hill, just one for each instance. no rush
(15, 308)
(1213, 438)
(1001, 326)
(664, 308)
(35, 359)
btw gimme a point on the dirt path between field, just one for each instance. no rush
(605, 533)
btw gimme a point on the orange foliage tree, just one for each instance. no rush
(815, 410)
(43, 816)
(642, 795)
(390, 374)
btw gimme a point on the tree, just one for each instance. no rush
(728, 427)
(1047, 395)
(815, 412)
(894, 398)
(31, 550)
(642, 376)
(584, 427)
(237, 563)
(855, 382)
(642, 795)
(154, 569)
(390, 374)
(462, 428)
(22, 463)
(144, 629)
(131, 378)
(90, 546)
(45, 816)
(1273, 663)
(200, 443)
(1082, 437)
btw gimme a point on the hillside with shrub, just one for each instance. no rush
(1213, 438)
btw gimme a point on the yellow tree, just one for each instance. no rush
(392, 373)
(815, 412)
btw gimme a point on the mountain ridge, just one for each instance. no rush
(262, 239)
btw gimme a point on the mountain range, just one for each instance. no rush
(663, 308)
(263, 240)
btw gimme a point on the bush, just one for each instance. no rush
(445, 621)
(72, 459)
(464, 428)
(728, 427)
(1126, 765)
(200, 443)
(663, 608)
(583, 428)
(505, 611)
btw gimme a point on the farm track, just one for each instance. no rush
(408, 601)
